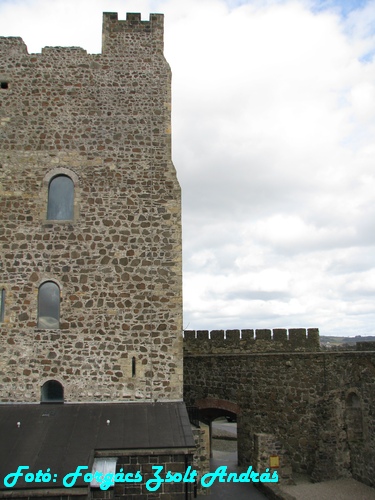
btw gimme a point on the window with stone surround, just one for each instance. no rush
(49, 305)
(60, 198)
(52, 392)
(2, 305)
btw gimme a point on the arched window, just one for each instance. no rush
(60, 198)
(52, 392)
(353, 401)
(49, 305)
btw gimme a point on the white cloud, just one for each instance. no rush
(273, 127)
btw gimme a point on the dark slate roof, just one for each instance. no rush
(63, 436)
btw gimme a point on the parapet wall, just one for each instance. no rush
(365, 346)
(251, 341)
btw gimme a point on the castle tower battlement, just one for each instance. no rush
(117, 35)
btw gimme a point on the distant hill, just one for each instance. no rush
(344, 341)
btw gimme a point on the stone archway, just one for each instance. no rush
(209, 409)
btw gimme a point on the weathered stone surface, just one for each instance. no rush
(104, 121)
(318, 407)
(236, 341)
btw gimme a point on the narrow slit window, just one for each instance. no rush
(2, 305)
(49, 305)
(60, 198)
(133, 366)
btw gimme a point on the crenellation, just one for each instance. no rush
(244, 341)
(313, 336)
(118, 35)
(263, 334)
(131, 17)
(280, 334)
(232, 335)
(247, 334)
(214, 334)
(297, 336)
(202, 334)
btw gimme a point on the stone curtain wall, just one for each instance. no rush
(104, 121)
(265, 446)
(241, 341)
(311, 403)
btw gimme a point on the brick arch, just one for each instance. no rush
(212, 408)
(218, 404)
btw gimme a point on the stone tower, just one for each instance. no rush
(90, 279)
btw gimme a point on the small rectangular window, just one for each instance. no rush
(104, 466)
(3, 85)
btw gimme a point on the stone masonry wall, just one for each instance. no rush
(104, 121)
(319, 406)
(202, 453)
(242, 341)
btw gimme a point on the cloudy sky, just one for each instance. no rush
(274, 145)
